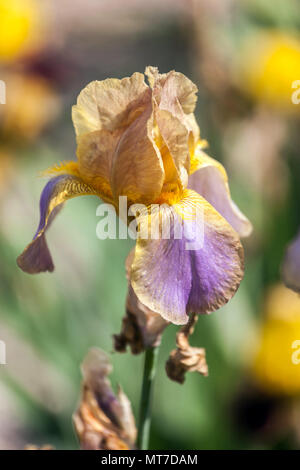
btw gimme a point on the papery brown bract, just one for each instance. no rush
(186, 358)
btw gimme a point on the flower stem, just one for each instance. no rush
(151, 356)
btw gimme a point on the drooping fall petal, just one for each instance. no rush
(36, 256)
(210, 180)
(197, 271)
(141, 327)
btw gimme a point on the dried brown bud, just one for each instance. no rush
(141, 327)
(103, 420)
(186, 358)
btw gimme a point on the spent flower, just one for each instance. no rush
(103, 420)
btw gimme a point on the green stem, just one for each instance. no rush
(151, 356)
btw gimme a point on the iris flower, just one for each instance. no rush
(143, 142)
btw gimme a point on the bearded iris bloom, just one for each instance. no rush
(143, 142)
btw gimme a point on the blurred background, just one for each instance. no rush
(244, 56)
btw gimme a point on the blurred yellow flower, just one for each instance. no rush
(6, 159)
(277, 364)
(269, 64)
(32, 104)
(19, 27)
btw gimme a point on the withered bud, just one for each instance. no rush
(141, 327)
(103, 420)
(186, 358)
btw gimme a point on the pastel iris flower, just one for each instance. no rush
(143, 142)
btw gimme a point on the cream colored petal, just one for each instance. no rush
(110, 103)
(171, 89)
(154, 77)
(137, 168)
(174, 97)
(178, 92)
(175, 137)
(210, 180)
(95, 152)
(194, 131)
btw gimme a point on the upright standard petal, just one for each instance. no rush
(95, 154)
(172, 90)
(197, 270)
(174, 135)
(209, 179)
(109, 104)
(137, 168)
(174, 98)
(36, 256)
(116, 150)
